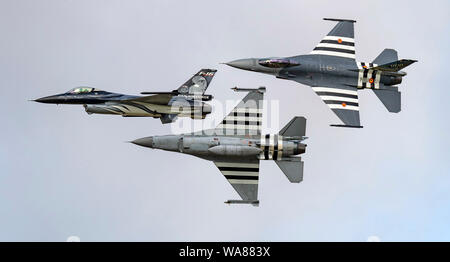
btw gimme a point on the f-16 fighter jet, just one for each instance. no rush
(236, 146)
(186, 101)
(332, 72)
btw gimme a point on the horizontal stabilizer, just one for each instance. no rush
(292, 168)
(391, 99)
(295, 128)
(387, 56)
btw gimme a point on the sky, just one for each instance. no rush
(67, 174)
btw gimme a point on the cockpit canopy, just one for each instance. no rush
(82, 90)
(277, 62)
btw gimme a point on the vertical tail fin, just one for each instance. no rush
(394, 66)
(387, 61)
(390, 98)
(198, 83)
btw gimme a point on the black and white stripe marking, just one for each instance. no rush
(337, 98)
(242, 120)
(336, 46)
(367, 75)
(272, 146)
(239, 173)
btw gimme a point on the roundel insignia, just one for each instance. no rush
(339, 41)
(371, 80)
(344, 104)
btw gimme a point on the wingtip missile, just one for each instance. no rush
(209, 70)
(339, 20)
(261, 89)
(351, 126)
(252, 202)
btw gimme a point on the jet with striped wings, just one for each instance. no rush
(335, 76)
(236, 146)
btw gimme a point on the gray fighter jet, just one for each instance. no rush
(332, 72)
(186, 101)
(236, 146)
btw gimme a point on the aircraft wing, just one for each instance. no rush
(243, 175)
(245, 119)
(157, 99)
(343, 101)
(338, 46)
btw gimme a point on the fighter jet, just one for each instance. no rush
(334, 75)
(236, 146)
(186, 101)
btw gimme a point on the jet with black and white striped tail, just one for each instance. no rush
(186, 101)
(236, 146)
(333, 73)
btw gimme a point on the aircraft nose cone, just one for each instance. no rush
(246, 64)
(49, 99)
(145, 142)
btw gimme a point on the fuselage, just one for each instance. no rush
(103, 102)
(314, 70)
(267, 147)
